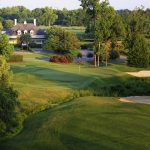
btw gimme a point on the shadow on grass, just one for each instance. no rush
(120, 86)
(60, 78)
(106, 84)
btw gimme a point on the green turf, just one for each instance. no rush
(79, 30)
(90, 123)
(85, 123)
(38, 56)
(43, 83)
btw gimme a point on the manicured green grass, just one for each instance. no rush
(90, 123)
(38, 56)
(85, 123)
(41, 84)
(75, 29)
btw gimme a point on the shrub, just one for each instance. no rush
(2, 127)
(90, 55)
(123, 52)
(79, 55)
(122, 87)
(6, 49)
(114, 54)
(74, 52)
(8, 104)
(87, 46)
(63, 59)
(34, 45)
(5, 72)
(69, 57)
(54, 59)
(16, 58)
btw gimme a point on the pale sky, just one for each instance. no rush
(72, 4)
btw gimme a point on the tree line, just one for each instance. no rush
(78, 17)
(45, 16)
(108, 26)
(9, 104)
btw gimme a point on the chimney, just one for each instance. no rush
(34, 22)
(25, 22)
(15, 22)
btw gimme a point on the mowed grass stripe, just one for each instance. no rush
(89, 123)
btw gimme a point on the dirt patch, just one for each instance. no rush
(136, 99)
(140, 74)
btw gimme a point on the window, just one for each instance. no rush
(25, 31)
(19, 32)
(31, 32)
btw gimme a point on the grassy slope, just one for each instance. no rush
(89, 123)
(40, 83)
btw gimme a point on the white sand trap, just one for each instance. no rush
(136, 99)
(140, 74)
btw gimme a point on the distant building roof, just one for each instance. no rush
(25, 27)
(22, 27)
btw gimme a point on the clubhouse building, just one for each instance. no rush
(37, 34)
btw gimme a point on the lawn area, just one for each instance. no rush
(37, 56)
(79, 30)
(90, 123)
(73, 118)
(42, 84)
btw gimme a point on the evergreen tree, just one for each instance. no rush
(139, 51)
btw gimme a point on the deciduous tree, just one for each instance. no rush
(59, 39)
(6, 49)
(26, 39)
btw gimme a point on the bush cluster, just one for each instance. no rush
(114, 54)
(124, 87)
(79, 55)
(8, 103)
(34, 45)
(90, 55)
(67, 58)
(88, 46)
(16, 58)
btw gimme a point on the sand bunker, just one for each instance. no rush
(136, 99)
(140, 74)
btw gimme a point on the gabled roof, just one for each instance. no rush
(22, 27)
(25, 26)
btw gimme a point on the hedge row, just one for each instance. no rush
(67, 58)
(16, 58)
